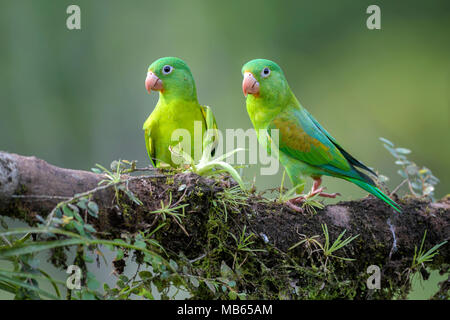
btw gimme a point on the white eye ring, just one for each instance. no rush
(167, 69)
(265, 72)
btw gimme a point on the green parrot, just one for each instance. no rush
(304, 147)
(177, 108)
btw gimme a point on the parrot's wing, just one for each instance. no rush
(300, 138)
(149, 145)
(210, 123)
(348, 156)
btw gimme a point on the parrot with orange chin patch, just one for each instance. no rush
(304, 147)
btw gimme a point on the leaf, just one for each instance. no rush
(67, 211)
(402, 174)
(79, 228)
(90, 228)
(146, 294)
(232, 283)
(73, 207)
(402, 162)
(27, 286)
(173, 264)
(194, 281)
(76, 213)
(403, 150)
(119, 254)
(232, 295)
(132, 197)
(93, 209)
(210, 286)
(386, 141)
(391, 150)
(92, 282)
(140, 244)
(3, 223)
(225, 270)
(85, 295)
(38, 246)
(82, 204)
(58, 213)
(145, 275)
(120, 284)
(242, 296)
(411, 169)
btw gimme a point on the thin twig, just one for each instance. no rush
(97, 189)
(198, 258)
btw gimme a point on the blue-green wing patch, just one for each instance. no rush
(300, 138)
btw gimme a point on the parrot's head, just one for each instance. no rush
(264, 79)
(172, 78)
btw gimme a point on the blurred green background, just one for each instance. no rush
(77, 97)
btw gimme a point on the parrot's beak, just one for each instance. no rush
(249, 84)
(152, 82)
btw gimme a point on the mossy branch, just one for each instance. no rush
(282, 256)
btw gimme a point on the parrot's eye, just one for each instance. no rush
(265, 72)
(167, 69)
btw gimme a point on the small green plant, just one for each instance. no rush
(114, 178)
(231, 198)
(421, 257)
(310, 204)
(309, 242)
(337, 244)
(243, 244)
(172, 210)
(209, 165)
(420, 180)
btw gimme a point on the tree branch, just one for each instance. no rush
(30, 186)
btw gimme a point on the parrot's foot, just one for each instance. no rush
(317, 190)
(329, 195)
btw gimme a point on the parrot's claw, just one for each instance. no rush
(299, 199)
(319, 191)
(314, 192)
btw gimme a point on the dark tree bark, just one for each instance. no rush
(30, 186)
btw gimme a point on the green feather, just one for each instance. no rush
(376, 192)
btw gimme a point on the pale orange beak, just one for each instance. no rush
(152, 82)
(249, 84)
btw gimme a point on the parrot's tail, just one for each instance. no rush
(376, 192)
